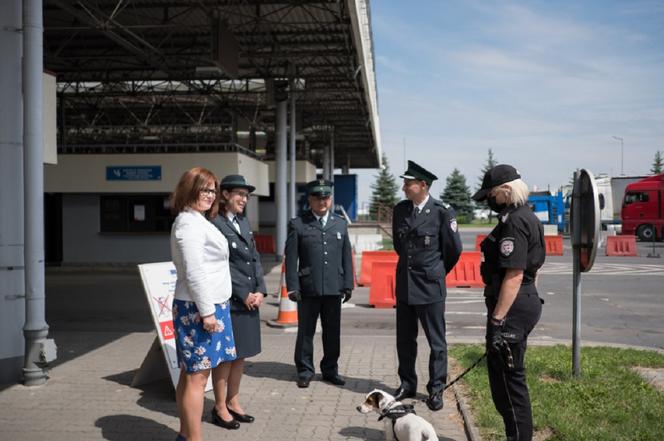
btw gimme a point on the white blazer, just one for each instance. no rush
(200, 255)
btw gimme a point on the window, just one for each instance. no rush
(135, 213)
(630, 198)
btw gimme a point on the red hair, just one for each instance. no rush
(189, 188)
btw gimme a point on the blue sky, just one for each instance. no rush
(546, 85)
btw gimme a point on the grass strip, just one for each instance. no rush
(608, 402)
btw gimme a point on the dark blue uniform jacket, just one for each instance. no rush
(428, 247)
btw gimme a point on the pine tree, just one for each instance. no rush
(384, 193)
(490, 163)
(658, 164)
(457, 194)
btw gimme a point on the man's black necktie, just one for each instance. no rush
(416, 211)
(320, 221)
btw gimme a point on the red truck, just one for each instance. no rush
(643, 208)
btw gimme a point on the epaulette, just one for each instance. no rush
(442, 204)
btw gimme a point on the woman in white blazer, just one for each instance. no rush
(201, 314)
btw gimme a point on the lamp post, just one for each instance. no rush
(618, 138)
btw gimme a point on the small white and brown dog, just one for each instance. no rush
(401, 422)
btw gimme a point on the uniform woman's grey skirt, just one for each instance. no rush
(247, 332)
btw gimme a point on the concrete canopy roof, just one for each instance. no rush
(146, 75)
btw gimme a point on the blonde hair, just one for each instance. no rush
(518, 192)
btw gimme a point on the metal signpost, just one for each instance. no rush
(585, 227)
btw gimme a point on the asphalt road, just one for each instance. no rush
(622, 303)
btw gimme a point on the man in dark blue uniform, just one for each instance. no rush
(319, 275)
(428, 244)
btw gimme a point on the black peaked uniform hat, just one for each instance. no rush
(416, 171)
(495, 176)
(320, 187)
(235, 181)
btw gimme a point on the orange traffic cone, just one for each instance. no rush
(287, 316)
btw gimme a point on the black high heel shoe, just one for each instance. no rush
(219, 421)
(243, 418)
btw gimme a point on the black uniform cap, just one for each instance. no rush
(494, 177)
(416, 171)
(320, 187)
(235, 181)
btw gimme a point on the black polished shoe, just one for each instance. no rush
(402, 393)
(230, 425)
(241, 417)
(303, 382)
(435, 401)
(334, 379)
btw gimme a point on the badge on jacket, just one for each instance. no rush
(233, 244)
(427, 240)
(506, 246)
(338, 235)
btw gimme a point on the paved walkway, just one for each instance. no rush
(89, 397)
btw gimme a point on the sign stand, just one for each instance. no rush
(159, 287)
(585, 228)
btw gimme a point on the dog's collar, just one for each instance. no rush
(396, 412)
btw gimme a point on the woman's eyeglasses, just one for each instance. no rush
(242, 194)
(209, 192)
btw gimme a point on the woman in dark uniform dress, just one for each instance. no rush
(248, 294)
(511, 255)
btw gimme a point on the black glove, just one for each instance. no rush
(295, 296)
(348, 293)
(494, 335)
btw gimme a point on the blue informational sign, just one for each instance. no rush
(133, 173)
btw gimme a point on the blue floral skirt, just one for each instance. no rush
(197, 348)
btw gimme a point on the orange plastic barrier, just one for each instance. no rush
(368, 259)
(621, 246)
(554, 245)
(287, 315)
(478, 240)
(466, 273)
(264, 243)
(382, 293)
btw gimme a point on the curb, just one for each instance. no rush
(472, 433)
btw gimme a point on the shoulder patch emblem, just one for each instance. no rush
(506, 246)
(453, 225)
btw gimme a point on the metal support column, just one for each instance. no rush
(326, 161)
(292, 212)
(12, 276)
(331, 160)
(280, 190)
(35, 329)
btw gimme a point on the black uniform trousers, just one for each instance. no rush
(432, 318)
(509, 389)
(308, 310)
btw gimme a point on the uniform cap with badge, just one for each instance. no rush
(320, 188)
(494, 177)
(419, 173)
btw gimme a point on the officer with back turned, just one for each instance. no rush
(319, 275)
(428, 244)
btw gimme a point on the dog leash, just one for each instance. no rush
(466, 371)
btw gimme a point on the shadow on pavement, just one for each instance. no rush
(124, 427)
(370, 434)
(286, 372)
(157, 396)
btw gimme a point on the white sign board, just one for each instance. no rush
(159, 287)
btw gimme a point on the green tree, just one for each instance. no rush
(490, 163)
(384, 193)
(457, 194)
(657, 164)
